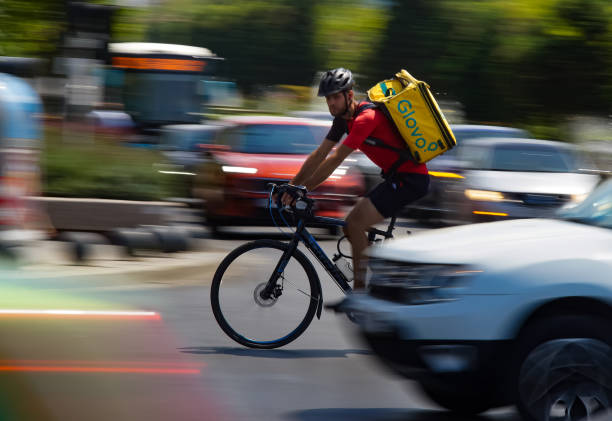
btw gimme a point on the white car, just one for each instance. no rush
(491, 314)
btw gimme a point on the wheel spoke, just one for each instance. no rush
(299, 289)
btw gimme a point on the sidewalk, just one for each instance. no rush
(47, 260)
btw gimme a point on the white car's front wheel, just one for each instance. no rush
(565, 369)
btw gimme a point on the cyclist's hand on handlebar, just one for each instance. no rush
(279, 194)
(290, 194)
(287, 199)
(283, 199)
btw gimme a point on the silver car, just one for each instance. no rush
(516, 178)
(440, 168)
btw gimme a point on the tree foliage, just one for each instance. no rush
(503, 60)
(348, 34)
(506, 61)
(31, 28)
(263, 42)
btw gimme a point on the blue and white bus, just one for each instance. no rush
(160, 83)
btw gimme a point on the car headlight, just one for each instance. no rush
(577, 198)
(240, 170)
(410, 283)
(484, 195)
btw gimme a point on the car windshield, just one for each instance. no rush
(462, 134)
(296, 139)
(596, 209)
(541, 158)
(185, 140)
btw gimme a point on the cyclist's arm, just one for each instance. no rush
(363, 126)
(328, 166)
(313, 161)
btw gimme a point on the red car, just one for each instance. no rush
(256, 150)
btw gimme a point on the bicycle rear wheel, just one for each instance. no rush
(240, 310)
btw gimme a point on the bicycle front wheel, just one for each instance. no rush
(269, 322)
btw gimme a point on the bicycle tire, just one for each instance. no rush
(313, 296)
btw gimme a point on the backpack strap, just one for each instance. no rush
(404, 154)
(366, 106)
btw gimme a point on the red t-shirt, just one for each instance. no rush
(373, 123)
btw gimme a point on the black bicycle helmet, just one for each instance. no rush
(336, 80)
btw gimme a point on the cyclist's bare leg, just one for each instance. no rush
(358, 221)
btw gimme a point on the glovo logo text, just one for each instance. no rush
(404, 107)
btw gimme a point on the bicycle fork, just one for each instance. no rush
(272, 290)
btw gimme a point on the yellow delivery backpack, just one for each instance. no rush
(409, 104)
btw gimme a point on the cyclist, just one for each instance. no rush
(402, 183)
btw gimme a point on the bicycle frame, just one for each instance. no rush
(312, 245)
(302, 235)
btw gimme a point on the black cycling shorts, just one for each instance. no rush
(392, 195)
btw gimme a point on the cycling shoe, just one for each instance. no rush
(336, 306)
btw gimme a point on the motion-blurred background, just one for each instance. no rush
(123, 99)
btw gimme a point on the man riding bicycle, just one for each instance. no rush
(404, 181)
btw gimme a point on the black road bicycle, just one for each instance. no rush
(267, 306)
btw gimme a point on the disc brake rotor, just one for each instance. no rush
(264, 302)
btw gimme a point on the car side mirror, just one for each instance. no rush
(208, 149)
(213, 147)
